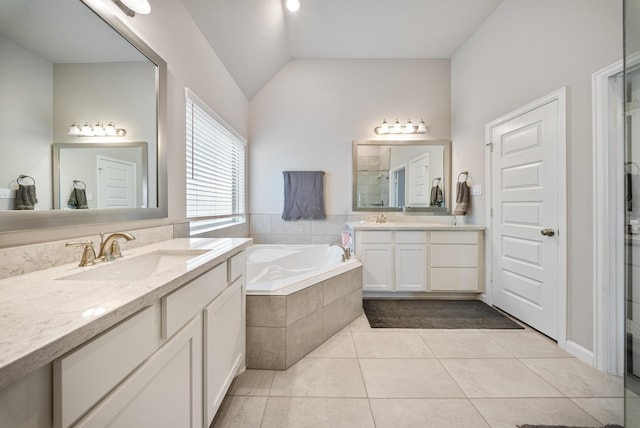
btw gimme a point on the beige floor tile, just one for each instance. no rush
(340, 345)
(605, 410)
(320, 377)
(512, 412)
(492, 378)
(463, 345)
(575, 378)
(527, 344)
(297, 412)
(240, 412)
(390, 345)
(408, 378)
(252, 382)
(426, 413)
(361, 324)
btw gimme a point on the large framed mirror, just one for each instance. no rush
(413, 175)
(62, 63)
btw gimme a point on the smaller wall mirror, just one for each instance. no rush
(412, 175)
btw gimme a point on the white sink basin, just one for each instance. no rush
(137, 268)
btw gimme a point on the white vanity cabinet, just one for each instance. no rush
(167, 365)
(420, 261)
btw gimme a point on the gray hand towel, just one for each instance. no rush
(436, 196)
(26, 197)
(303, 195)
(462, 198)
(78, 199)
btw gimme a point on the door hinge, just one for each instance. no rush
(490, 145)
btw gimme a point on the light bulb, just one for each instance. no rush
(293, 5)
(408, 128)
(422, 127)
(86, 131)
(74, 130)
(397, 128)
(110, 130)
(384, 128)
(98, 130)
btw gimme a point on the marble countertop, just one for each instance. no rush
(401, 225)
(43, 317)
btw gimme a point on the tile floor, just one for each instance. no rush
(401, 378)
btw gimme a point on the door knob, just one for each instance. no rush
(547, 232)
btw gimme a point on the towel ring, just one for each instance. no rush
(434, 180)
(78, 182)
(630, 170)
(22, 177)
(466, 175)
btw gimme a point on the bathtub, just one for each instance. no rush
(298, 296)
(284, 269)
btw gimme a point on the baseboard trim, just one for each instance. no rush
(579, 351)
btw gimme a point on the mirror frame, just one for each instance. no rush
(446, 169)
(13, 221)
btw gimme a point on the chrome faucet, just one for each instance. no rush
(347, 253)
(109, 247)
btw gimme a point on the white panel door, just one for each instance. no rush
(419, 190)
(526, 217)
(116, 183)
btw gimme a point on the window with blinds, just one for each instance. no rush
(215, 168)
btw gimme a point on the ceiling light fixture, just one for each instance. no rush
(131, 7)
(293, 5)
(398, 128)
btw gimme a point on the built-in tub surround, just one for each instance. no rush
(44, 315)
(34, 257)
(289, 316)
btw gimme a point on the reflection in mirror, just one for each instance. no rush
(77, 67)
(401, 175)
(100, 175)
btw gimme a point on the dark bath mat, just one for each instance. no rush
(445, 314)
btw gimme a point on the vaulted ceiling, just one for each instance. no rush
(256, 38)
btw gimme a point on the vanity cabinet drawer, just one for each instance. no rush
(453, 256)
(411, 237)
(376, 237)
(454, 279)
(82, 377)
(237, 266)
(454, 237)
(183, 304)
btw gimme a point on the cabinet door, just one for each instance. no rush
(377, 262)
(166, 391)
(411, 267)
(224, 345)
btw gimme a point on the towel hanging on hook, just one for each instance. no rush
(26, 198)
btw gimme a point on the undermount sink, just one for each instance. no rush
(137, 268)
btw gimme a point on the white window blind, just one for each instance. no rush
(215, 167)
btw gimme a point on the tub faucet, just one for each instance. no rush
(109, 247)
(347, 253)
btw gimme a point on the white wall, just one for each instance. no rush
(306, 117)
(26, 84)
(525, 50)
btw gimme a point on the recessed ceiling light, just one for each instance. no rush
(293, 5)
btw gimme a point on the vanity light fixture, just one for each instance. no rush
(398, 128)
(131, 7)
(293, 5)
(98, 130)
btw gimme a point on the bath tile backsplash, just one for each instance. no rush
(34, 257)
(271, 229)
